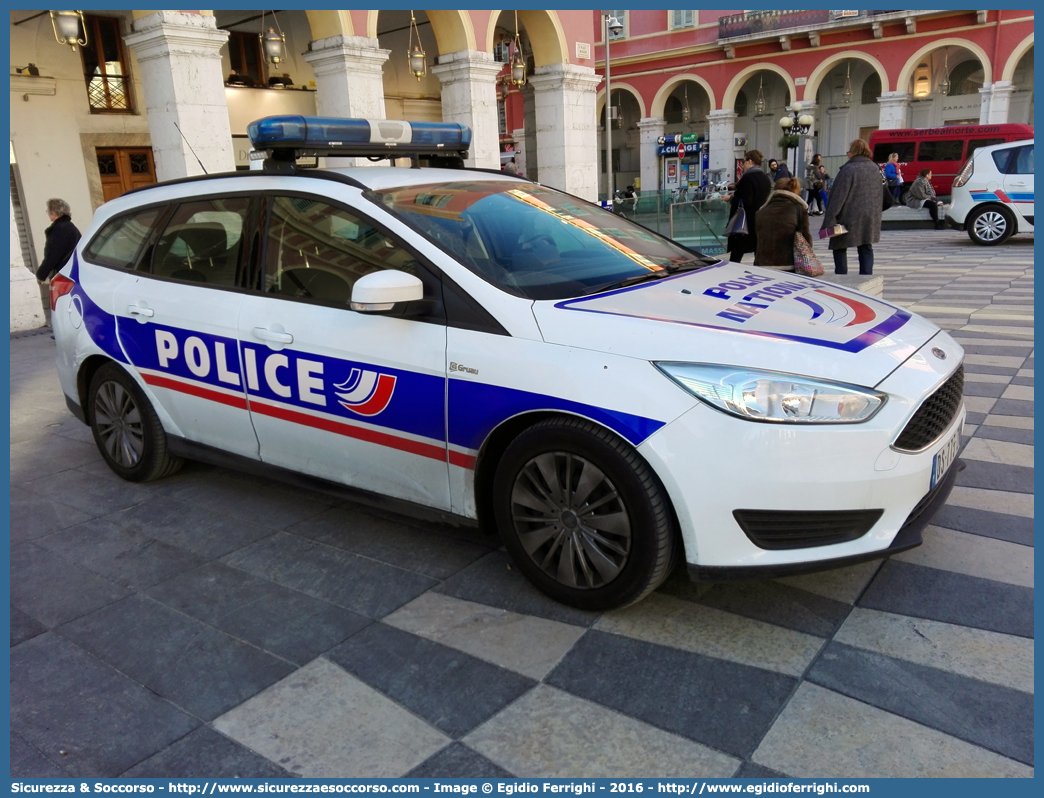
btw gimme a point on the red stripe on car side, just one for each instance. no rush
(195, 390)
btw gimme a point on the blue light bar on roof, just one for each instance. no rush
(330, 135)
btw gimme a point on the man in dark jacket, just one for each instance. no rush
(752, 190)
(62, 237)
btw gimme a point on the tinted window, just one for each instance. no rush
(203, 242)
(533, 241)
(316, 251)
(948, 150)
(120, 240)
(1022, 163)
(974, 144)
(886, 148)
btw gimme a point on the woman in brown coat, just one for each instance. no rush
(783, 215)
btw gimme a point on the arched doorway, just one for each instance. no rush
(943, 80)
(626, 151)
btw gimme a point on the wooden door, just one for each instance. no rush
(124, 168)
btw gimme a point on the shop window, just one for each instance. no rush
(965, 78)
(871, 89)
(244, 52)
(502, 117)
(105, 67)
(682, 19)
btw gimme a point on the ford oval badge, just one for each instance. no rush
(939, 353)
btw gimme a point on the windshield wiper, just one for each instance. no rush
(689, 266)
(638, 278)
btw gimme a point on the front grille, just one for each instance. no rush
(801, 529)
(934, 415)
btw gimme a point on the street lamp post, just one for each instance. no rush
(609, 23)
(796, 123)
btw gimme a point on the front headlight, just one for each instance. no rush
(774, 396)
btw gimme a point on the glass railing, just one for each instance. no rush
(678, 215)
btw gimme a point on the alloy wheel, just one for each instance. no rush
(990, 226)
(119, 424)
(571, 520)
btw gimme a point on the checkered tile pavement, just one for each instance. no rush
(215, 624)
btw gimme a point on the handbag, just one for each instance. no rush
(737, 224)
(805, 260)
(887, 198)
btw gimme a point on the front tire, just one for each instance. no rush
(583, 515)
(991, 225)
(126, 429)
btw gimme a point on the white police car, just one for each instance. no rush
(992, 195)
(492, 349)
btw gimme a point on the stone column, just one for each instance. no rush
(651, 128)
(564, 109)
(985, 95)
(349, 77)
(1000, 102)
(26, 309)
(722, 138)
(179, 55)
(530, 132)
(894, 110)
(469, 97)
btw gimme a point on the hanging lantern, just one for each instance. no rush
(66, 26)
(759, 104)
(518, 60)
(846, 95)
(686, 113)
(274, 45)
(944, 84)
(416, 59)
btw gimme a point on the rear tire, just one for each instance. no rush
(126, 429)
(991, 225)
(583, 515)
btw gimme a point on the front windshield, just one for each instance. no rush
(536, 242)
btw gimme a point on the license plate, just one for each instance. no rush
(945, 456)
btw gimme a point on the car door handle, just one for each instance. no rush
(1016, 183)
(266, 334)
(137, 310)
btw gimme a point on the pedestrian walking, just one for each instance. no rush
(811, 175)
(752, 190)
(894, 175)
(62, 237)
(783, 215)
(922, 195)
(855, 202)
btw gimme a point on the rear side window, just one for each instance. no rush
(120, 240)
(886, 148)
(1022, 163)
(203, 242)
(947, 150)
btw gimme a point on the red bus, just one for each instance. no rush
(941, 149)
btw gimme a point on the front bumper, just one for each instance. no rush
(908, 537)
(713, 464)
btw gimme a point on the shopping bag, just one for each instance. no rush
(805, 260)
(737, 224)
(830, 232)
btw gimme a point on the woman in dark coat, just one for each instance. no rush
(779, 219)
(855, 201)
(62, 237)
(752, 190)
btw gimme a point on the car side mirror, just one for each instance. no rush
(381, 291)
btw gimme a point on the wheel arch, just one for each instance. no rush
(84, 375)
(497, 442)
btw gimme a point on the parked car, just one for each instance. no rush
(941, 149)
(488, 350)
(993, 194)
